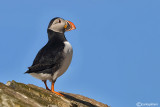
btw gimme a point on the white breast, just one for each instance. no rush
(68, 52)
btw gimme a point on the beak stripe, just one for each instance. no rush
(72, 26)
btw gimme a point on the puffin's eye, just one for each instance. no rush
(59, 21)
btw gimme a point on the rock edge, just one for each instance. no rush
(15, 94)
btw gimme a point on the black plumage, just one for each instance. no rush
(49, 58)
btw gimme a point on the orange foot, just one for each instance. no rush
(57, 93)
(45, 82)
(52, 89)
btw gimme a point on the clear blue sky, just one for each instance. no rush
(116, 46)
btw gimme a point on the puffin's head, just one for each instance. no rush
(60, 25)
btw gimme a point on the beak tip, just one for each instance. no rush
(72, 26)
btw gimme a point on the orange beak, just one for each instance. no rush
(70, 26)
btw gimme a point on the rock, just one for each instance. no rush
(15, 94)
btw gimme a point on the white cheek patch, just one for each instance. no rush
(58, 27)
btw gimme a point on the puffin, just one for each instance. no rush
(55, 57)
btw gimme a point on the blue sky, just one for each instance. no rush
(116, 47)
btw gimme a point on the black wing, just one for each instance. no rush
(49, 57)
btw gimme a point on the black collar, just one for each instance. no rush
(56, 36)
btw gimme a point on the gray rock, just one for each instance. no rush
(15, 94)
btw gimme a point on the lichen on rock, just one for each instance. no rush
(15, 94)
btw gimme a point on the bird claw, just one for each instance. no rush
(57, 93)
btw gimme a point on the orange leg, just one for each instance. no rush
(52, 89)
(46, 85)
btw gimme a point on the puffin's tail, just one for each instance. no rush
(28, 71)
